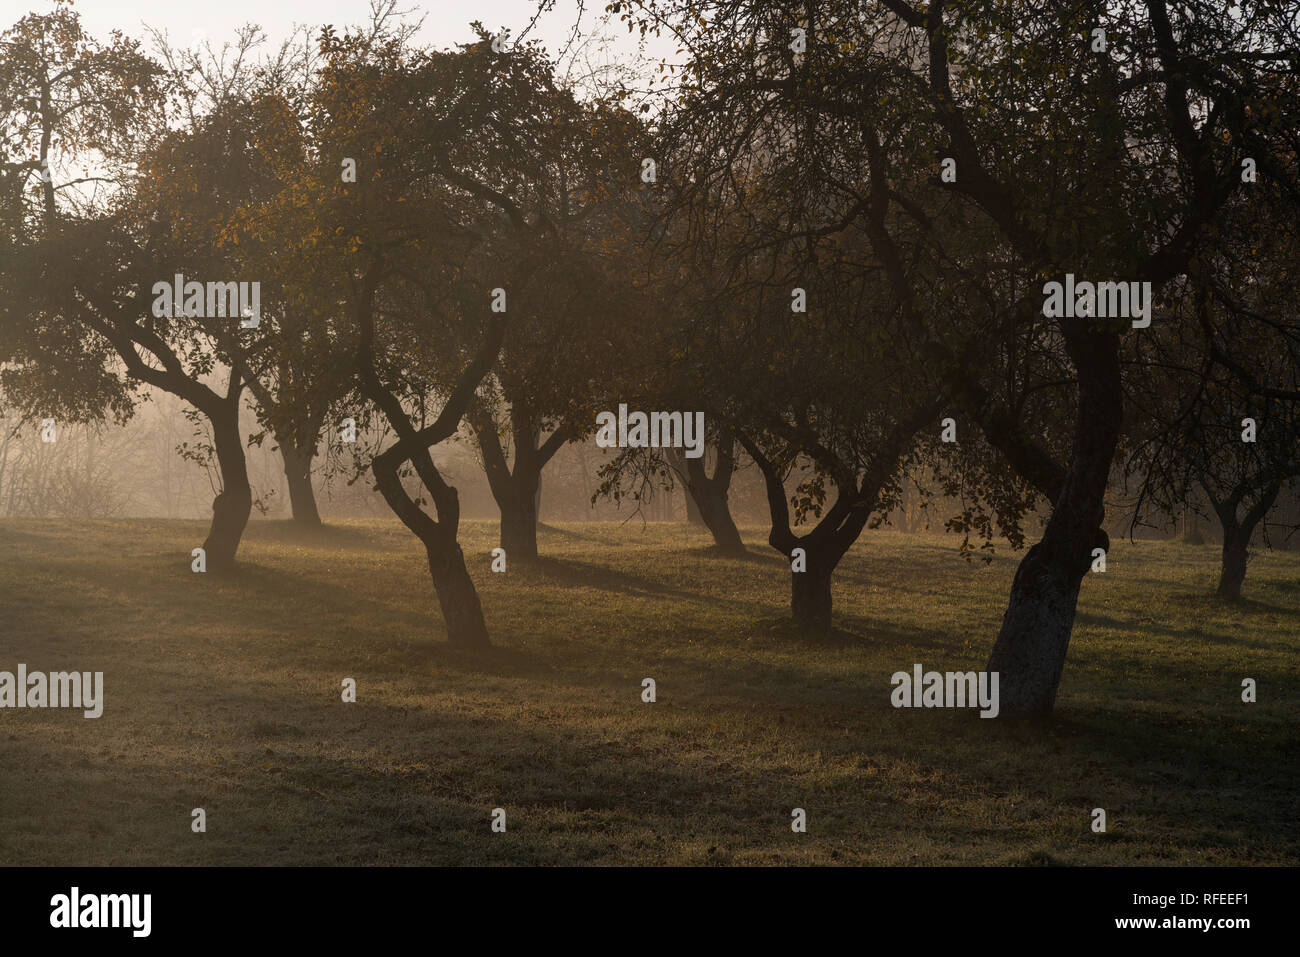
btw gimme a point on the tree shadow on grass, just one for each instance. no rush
(1245, 605)
(569, 572)
(546, 531)
(717, 553)
(413, 781)
(287, 532)
(1152, 627)
(789, 631)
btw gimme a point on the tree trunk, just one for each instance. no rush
(1237, 535)
(810, 591)
(233, 505)
(518, 490)
(1232, 573)
(708, 495)
(716, 514)
(461, 611)
(456, 595)
(519, 515)
(1029, 654)
(824, 546)
(302, 497)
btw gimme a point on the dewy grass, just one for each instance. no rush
(226, 694)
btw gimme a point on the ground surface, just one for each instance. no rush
(225, 694)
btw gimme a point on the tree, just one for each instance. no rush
(1153, 125)
(1206, 431)
(560, 347)
(792, 215)
(440, 242)
(299, 381)
(63, 96)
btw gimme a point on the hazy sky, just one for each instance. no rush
(446, 21)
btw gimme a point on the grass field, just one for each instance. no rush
(225, 694)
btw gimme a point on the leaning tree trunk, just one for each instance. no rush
(1029, 654)
(456, 595)
(708, 495)
(302, 497)
(233, 505)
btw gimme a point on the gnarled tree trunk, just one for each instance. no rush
(823, 547)
(1029, 654)
(1237, 534)
(457, 597)
(708, 494)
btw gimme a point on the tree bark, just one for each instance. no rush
(824, 546)
(519, 516)
(1237, 534)
(302, 497)
(518, 489)
(708, 495)
(456, 595)
(810, 591)
(1031, 646)
(1232, 572)
(234, 503)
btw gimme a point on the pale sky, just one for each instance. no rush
(446, 21)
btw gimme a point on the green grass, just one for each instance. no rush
(225, 694)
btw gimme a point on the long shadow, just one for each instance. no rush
(716, 553)
(362, 798)
(286, 532)
(1155, 628)
(568, 572)
(557, 532)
